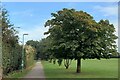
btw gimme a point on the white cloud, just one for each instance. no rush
(23, 13)
(108, 11)
(36, 33)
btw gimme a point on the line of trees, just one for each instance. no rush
(41, 48)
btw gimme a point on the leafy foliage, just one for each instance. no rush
(75, 35)
(41, 47)
(35, 45)
(11, 50)
(29, 56)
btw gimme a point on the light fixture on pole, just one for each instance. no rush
(16, 27)
(23, 52)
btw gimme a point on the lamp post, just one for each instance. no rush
(23, 52)
(16, 27)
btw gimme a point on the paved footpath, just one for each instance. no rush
(36, 72)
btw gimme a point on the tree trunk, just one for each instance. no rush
(66, 67)
(78, 66)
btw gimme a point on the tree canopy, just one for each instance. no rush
(76, 35)
(41, 47)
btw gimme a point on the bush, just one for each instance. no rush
(29, 55)
(11, 58)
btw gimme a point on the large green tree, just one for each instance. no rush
(76, 35)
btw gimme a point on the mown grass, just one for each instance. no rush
(92, 68)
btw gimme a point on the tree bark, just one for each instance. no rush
(66, 67)
(78, 66)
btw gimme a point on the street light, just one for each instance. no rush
(23, 52)
(16, 27)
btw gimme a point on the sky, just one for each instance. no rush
(60, 0)
(31, 16)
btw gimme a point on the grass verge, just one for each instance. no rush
(104, 68)
(19, 73)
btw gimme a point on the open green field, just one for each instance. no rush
(92, 68)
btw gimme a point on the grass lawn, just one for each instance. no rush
(92, 68)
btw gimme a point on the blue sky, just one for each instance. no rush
(31, 16)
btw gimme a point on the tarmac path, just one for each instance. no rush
(36, 72)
